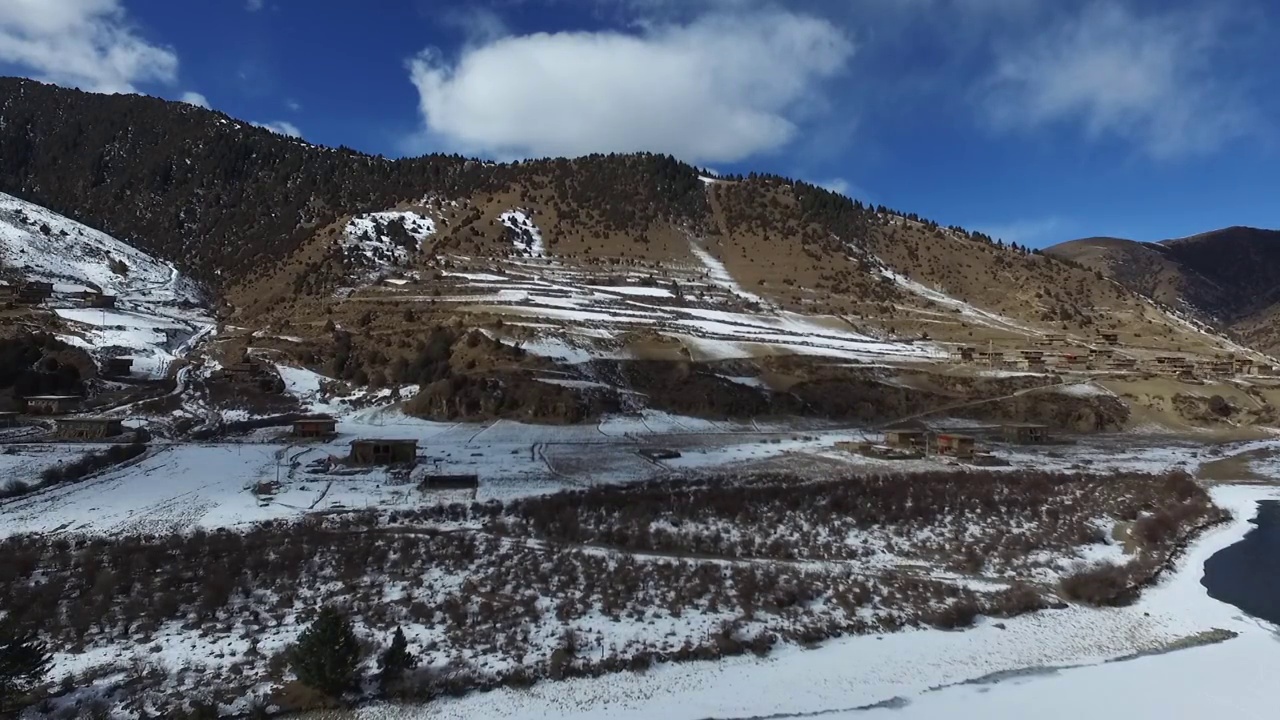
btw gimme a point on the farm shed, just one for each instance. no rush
(52, 404)
(90, 428)
(659, 453)
(1026, 433)
(315, 427)
(383, 452)
(449, 482)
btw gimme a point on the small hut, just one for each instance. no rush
(1110, 338)
(1026, 433)
(52, 404)
(383, 452)
(316, 427)
(957, 446)
(90, 428)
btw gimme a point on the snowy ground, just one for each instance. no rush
(927, 673)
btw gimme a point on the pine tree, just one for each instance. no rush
(395, 661)
(24, 660)
(327, 655)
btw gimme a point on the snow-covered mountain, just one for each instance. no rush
(158, 310)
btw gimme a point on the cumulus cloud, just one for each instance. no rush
(717, 89)
(1148, 79)
(195, 98)
(280, 127)
(87, 44)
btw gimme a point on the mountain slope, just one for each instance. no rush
(1229, 277)
(157, 309)
(296, 235)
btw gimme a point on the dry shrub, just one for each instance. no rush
(959, 614)
(1103, 585)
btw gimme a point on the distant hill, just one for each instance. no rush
(1229, 278)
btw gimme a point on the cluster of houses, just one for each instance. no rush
(66, 428)
(910, 443)
(37, 292)
(1104, 356)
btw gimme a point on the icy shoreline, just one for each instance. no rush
(919, 673)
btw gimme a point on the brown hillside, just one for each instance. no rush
(1229, 278)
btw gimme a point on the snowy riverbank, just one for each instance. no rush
(906, 670)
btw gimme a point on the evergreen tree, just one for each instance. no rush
(395, 661)
(24, 660)
(327, 655)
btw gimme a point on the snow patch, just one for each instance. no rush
(527, 238)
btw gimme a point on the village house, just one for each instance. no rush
(1110, 338)
(98, 300)
(1050, 339)
(117, 367)
(992, 358)
(383, 452)
(1031, 360)
(957, 446)
(1123, 364)
(92, 428)
(905, 438)
(34, 292)
(52, 404)
(1026, 433)
(1216, 368)
(315, 427)
(962, 355)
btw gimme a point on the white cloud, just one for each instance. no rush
(717, 89)
(253, 5)
(87, 44)
(1146, 79)
(195, 98)
(280, 127)
(293, 105)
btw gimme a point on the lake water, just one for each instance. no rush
(1247, 574)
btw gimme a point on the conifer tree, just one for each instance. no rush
(327, 655)
(24, 660)
(395, 660)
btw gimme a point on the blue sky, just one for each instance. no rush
(1035, 120)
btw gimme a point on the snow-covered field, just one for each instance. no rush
(561, 305)
(1050, 664)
